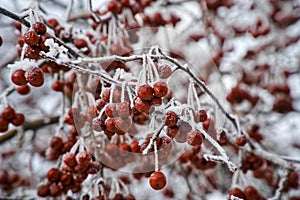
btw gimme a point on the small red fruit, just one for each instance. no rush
(3, 125)
(157, 180)
(194, 138)
(18, 120)
(18, 77)
(145, 92)
(31, 38)
(202, 115)
(70, 159)
(58, 86)
(171, 119)
(142, 106)
(35, 77)
(160, 89)
(53, 175)
(241, 141)
(43, 191)
(39, 28)
(8, 113)
(23, 90)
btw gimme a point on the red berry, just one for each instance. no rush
(164, 71)
(171, 119)
(145, 92)
(31, 38)
(142, 106)
(241, 141)
(39, 28)
(111, 110)
(53, 175)
(202, 115)
(70, 159)
(123, 109)
(114, 7)
(55, 190)
(58, 86)
(194, 138)
(8, 113)
(18, 77)
(157, 180)
(35, 77)
(80, 43)
(56, 143)
(160, 89)
(53, 23)
(23, 90)
(18, 120)
(84, 158)
(43, 191)
(156, 101)
(110, 125)
(66, 179)
(237, 193)
(172, 131)
(3, 125)
(251, 193)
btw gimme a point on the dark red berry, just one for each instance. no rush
(80, 43)
(18, 77)
(53, 23)
(142, 106)
(56, 143)
(171, 119)
(3, 125)
(18, 120)
(58, 86)
(35, 77)
(39, 28)
(43, 191)
(70, 159)
(23, 90)
(241, 141)
(55, 190)
(31, 38)
(53, 175)
(202, 115)
(8, 113)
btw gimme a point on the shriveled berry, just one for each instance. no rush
(194, 138)
(160, 89)
(23, 90)
(18, 77)
(18, 120)
(171, 119)
(164, 71)
(8, 113)
(145, 92)
(53, 175)
(31, 38)
(157, 180)
(39, 28)
(35, 77)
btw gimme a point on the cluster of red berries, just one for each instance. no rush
(249, 193)
(192, 158)
(34, 77)
(158, 20)
(9, 115)
(238, 95)
(181, 130)
(9, 181)
(74, 171)
(58, 147)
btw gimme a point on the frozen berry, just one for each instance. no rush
(58, 86)
(31, 38)
(35, 77)
(157, 180)
(160, 89)
(142, 106)
(39, 28)
(202, 115)
(123, 109)
(43, 191)
(171, 119)
(145, 92)
(18, 77)
(194, 138)
(241, 141)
